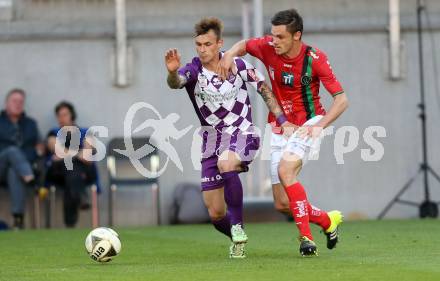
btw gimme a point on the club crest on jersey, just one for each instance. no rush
(305, 80)
(188, 74)
(203, 81)
(287, 79)
(253, 75)
(216, 81)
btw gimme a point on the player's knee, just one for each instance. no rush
(288, 171)
(226, 166)
(216, 214)
(285, 173)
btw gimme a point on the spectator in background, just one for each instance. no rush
(83, 173)
(19, 149)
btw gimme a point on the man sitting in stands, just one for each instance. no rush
(19, 148)
(74, 181)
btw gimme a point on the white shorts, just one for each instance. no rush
(302, 148)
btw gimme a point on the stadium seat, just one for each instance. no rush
(52, 207)
(125, 179)
(188, 206)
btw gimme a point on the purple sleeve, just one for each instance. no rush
(189, 71)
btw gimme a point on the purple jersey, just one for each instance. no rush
(224, 105)
(224, 108)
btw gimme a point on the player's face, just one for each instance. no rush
(208, 46)
(283, 40)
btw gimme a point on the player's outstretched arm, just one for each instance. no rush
(227, 61)
(272, 104)
(172, 62)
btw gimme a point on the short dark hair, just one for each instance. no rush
(290, 18)
(207, 24)
(69, 106)
(16, 91)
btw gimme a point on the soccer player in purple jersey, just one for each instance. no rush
(224, 110)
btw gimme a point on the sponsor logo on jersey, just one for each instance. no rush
(305, 80)
(215, 97)
(201, 95)
(287, 79)
(287, 106)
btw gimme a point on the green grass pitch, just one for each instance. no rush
(370, 250)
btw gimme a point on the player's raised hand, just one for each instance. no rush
(172, 60)
(225, 66)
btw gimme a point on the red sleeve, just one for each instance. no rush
(255, 46)
(325, 73)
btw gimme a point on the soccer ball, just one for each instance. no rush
(102, 244)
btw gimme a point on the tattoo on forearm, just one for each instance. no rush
(270, 99)
(175, 80)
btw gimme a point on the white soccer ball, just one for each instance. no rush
(102, 244)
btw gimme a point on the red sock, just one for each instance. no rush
(318, 217)
(299, 207)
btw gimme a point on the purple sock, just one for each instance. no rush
(224, 225)
(234, 196)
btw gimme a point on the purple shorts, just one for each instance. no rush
(246, 146)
